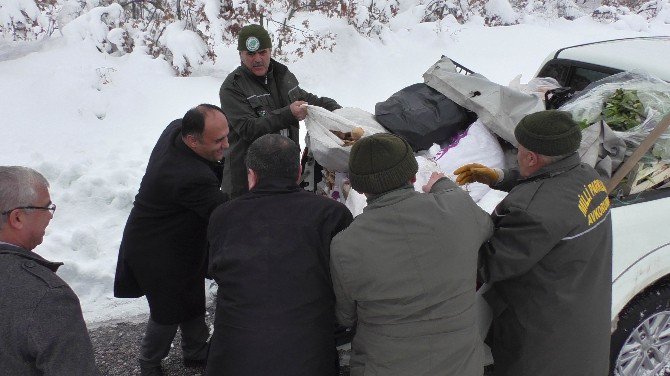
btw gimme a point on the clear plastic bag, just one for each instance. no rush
(653, 93)
(537, 86)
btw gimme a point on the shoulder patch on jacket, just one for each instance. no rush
(237, 74)
(44, 274)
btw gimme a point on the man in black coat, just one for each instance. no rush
(269, 254)
(261, 96)
(163, 254)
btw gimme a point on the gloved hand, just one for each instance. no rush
(475, 172)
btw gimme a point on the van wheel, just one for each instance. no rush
(640, 346)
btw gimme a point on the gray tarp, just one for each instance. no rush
(499, 107)
(601, 148)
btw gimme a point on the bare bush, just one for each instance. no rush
(439, 9)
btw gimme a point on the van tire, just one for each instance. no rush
(637, 335)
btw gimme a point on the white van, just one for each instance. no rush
(640, 342)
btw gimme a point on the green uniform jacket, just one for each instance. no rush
(550, 265)
(404, 273)
(256, 106)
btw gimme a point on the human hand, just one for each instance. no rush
(475, 172)
(299, 110)
(435, 176)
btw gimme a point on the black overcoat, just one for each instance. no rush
(269, 253)
(163, 253)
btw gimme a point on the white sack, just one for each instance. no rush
(357, 201)
(361, 117)
(491, 199)
(426, 168)
(327, 148)
(478, 145)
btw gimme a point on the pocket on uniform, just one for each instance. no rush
(262, 104)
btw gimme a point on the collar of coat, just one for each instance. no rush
(555, 168)
(276, 69)
(10, 249)
(390, 197)
(269, 186)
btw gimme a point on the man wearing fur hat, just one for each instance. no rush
(550, 258)
(404, 272)
(261, 96)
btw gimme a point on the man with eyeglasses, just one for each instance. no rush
(261, 96)
(42, 331)
(163, 253)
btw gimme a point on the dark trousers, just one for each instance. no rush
(158, 337)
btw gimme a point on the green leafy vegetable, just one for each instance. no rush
(623, 110)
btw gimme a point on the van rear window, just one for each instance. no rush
(582, 77)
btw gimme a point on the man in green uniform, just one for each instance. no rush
(261, 96)
(550, 258)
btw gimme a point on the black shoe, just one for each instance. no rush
(150, 369)
(195, 363)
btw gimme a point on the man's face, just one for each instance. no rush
(257, 62)
(214, 140)
(36, 220)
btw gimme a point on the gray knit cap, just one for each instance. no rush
(549, 133)
(380, 163)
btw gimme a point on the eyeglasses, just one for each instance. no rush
(51, 207)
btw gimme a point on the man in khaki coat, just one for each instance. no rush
(404, 272)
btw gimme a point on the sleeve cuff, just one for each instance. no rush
(501, 175)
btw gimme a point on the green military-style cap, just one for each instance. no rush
(253, 38)
(380, 163)
(550, 133)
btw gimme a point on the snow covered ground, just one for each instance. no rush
(88, 121)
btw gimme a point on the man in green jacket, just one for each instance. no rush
(404, 272)
(550, 258)
(261, 96)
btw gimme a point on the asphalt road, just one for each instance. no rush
(116, 348)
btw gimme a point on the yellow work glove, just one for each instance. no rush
(475, 172)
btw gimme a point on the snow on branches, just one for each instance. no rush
(27, 19)
(187, 33)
